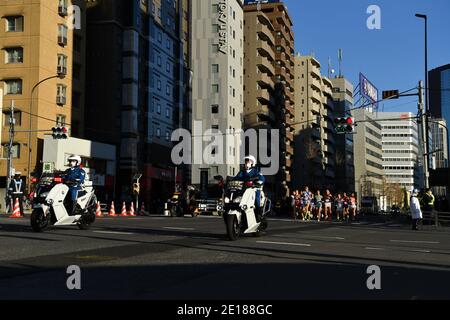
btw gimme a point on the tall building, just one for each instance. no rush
(135, 85)
(439, 93)
(439, 147)
(315, 142)
(345, 166)
(217, 53)
(269, 81)
(400, 149)
(42, 51)
(369, 171)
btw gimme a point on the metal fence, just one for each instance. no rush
(436, 218)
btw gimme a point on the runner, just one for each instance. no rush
(318, 202)
(328, 199)
(306, 202)
(353, 206)
(339, 204)
(346, 206)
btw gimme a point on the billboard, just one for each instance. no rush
(368, 90)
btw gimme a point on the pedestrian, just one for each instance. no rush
(306, 201)
(429, 200)
(318, 201)
(328, 199)
(16, 190)
(346, 206)
(416, 212)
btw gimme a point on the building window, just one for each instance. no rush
(168, 66)
(167, 136)
(168, 113)
(168, 90)
(62, 65)
(215, 108)
(62, 8)
(215, 127)
(215, 68)
(158, 132)
(158, 84)
(159, 60)
(62, 34)
(60, 120)
(14, 86)
(215, 88)
(17, 118)
(158, 108)
(215, 8)
(215, 48)
(160, 37)
(14, 55)
(15, 150)
(215, 28)
(14, 24)
(168, 44)
(61, 91)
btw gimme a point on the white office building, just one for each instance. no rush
(217, 85)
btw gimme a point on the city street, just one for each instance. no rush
(186, 258)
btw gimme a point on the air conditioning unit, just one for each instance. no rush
(62, 40)
(62, 11)
(60, 100)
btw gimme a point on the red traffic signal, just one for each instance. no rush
(60, 133)
(350, 121)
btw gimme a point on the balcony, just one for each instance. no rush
(264, 80)
(265, 65)
(289, 149)
(61, 70)
(263, 96)
(264, 32)
(282, 72)
(266, 50)
(62, 41)
(62, 10)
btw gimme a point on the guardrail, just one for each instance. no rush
(436, 217)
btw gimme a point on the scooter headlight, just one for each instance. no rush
(237, 200)
(227, 200)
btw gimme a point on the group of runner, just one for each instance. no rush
(307, 205)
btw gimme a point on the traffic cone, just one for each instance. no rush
(142, 211)
(98, 211)
(132, 213)
(16, 211)
(112, 211)
(124, 210)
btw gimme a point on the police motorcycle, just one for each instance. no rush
(239, 208)
(52, 205)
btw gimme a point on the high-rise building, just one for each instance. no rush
(400, 149)
(217, 59)
(315, 142)
(269, 81)
(368, 155)
(135, 87)
(42, 72)
(439, 150)
(345, 166)
(439, 93)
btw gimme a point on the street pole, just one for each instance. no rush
(424, 117)
(10, 146)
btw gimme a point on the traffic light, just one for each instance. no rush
(60, 133)
(391, 94)
(344, 125)
(136, 188)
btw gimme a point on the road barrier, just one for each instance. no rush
(436, 218)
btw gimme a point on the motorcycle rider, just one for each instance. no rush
(76, 175)
(251, 172)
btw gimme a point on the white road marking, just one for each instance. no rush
(421, 251)
(173, 228)
(377, 224)
(411, 241)
(394, 225)
(113, 232)
(372, 248)
(323, 237)
(285, 243)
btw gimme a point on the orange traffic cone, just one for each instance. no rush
(98, 211)
(124, 210)
(112, 211)
(16, 211)
(132, 213)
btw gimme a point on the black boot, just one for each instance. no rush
(74, 207)
(258, 213)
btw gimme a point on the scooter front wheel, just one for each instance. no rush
(38, 220)
(233, 227)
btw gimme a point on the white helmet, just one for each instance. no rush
(252, 159)
(75, 158)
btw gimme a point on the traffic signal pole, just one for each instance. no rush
(424, 119)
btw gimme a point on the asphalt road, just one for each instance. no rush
(190, 258)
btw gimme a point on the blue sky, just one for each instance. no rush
(392, 57)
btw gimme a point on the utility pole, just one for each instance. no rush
(424, 118)
(10, 146)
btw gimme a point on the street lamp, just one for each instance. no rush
(60, 76)
(427, 109)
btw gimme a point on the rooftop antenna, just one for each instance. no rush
(340, 58)
(330, 69)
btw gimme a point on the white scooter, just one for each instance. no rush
(239, 209)
(49, 206)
